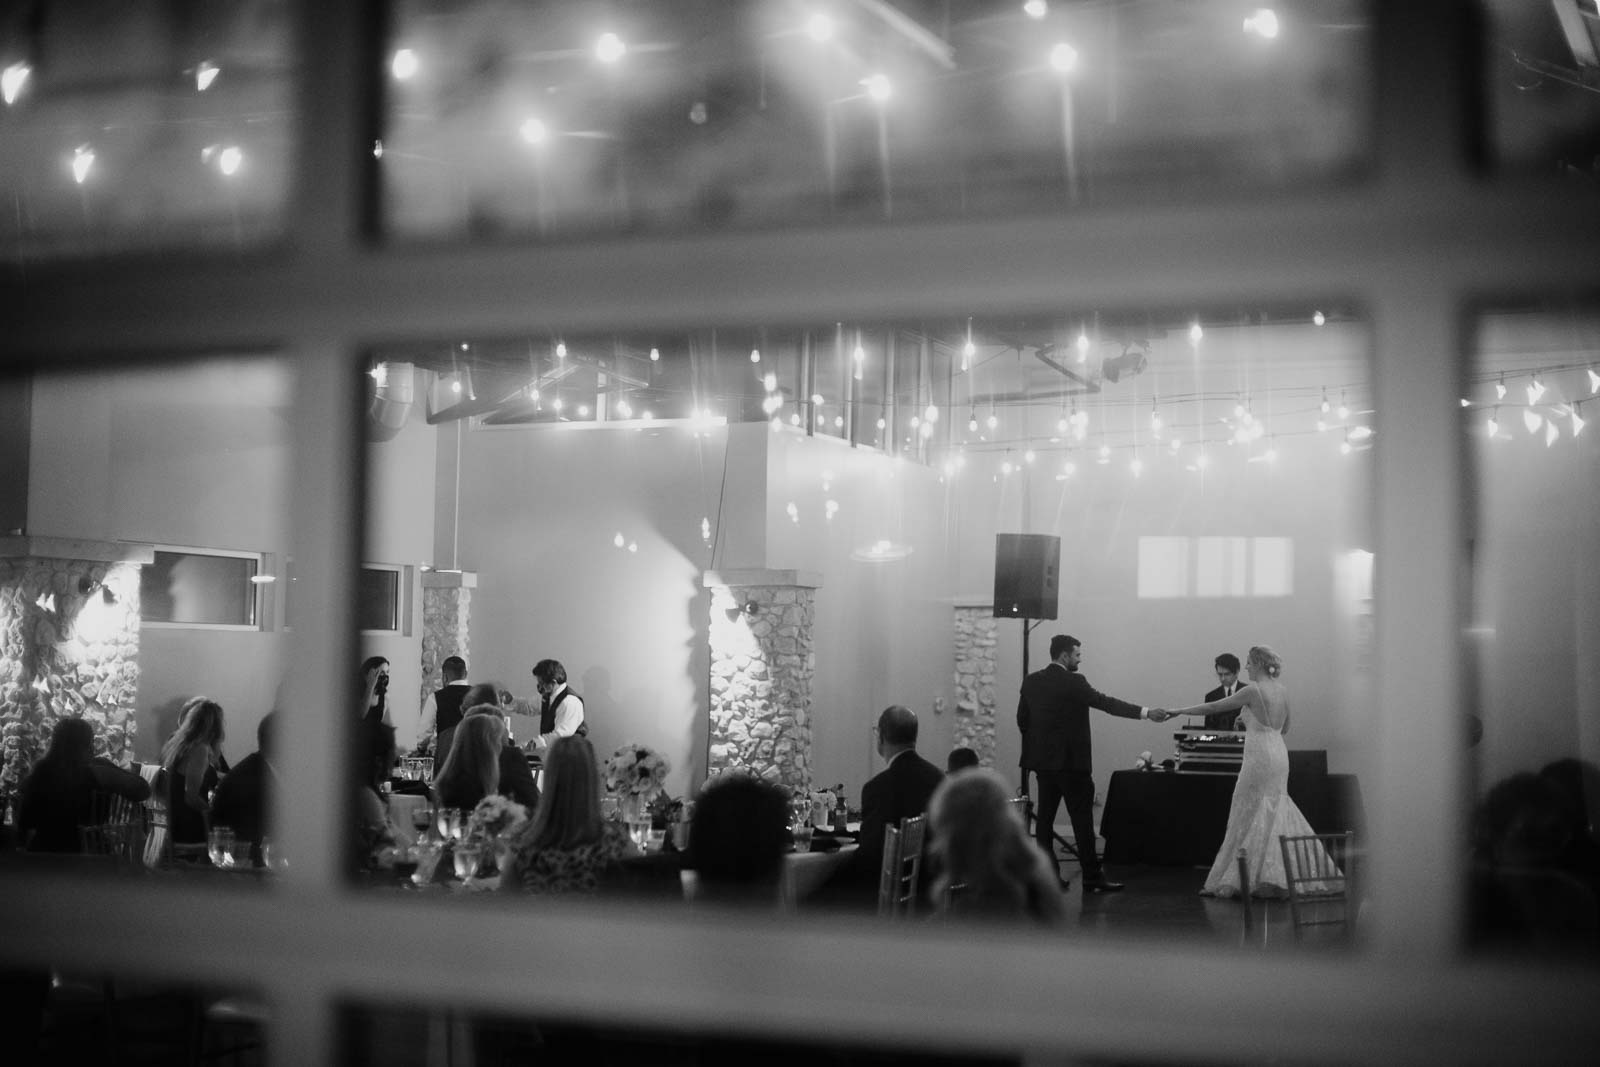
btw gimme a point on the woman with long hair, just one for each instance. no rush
(990, 866)
(192, 759)
(58, 796)
(372, 759)
(472, 770)
(567, 844)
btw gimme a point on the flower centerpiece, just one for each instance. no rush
(637, 774)
(493, 823)
(665, 811)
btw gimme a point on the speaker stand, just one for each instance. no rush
(1030, 820)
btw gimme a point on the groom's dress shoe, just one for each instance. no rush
(1102, 885)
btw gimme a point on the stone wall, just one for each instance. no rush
(762, 664)
(975, 677)
(66, 649)
(446, 610)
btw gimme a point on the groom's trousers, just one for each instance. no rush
(1076, 788)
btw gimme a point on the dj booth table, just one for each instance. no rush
(1163, 817)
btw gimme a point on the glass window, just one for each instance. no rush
(1542, 87)
(134, 126)
(378, 596)
(199, 587)
(552, 120)
(1532, 392)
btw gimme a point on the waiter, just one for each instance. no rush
(441, 712)
(561, 709)
(1227, 666)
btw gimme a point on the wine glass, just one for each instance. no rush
(219, 845)
(639, 831)
(466, 860)
(449, 821)
(421, 818)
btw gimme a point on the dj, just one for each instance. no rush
(1227, 666)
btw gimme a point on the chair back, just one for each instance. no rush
(122, 842)
(902, 864)
(1319, 871)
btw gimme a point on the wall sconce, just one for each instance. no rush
(89, 586)
(749, 607)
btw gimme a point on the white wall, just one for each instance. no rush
(193, 455)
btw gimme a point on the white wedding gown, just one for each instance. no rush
(1261, 813)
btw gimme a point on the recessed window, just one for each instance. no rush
(199, 588)
(378, 600)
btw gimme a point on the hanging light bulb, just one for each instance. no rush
(1195, 333)
(1577, 423)
(819, 26)
(655, 355)
(609, 48)
(930, 414)
(561, 350)
(1105, 454)
(1492, 424)
(1083, 345)
(968, 350)
(1318, 318)
(770, 382)
(204, 75)
(404, 64)
(1535, 390)
(1028, 457)
(1344, 409)
(1532, 420)
(878, 87)
(972, 421)
(12, 79)
(1155, 419)
(1326, 407)
(82, 160)
(1551, 433)
(1062, 424)
(1500, 388)
(1238, 407)
(1594, 381)
(994, 420)
(1137, 466)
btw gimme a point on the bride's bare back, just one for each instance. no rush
(1270, 704)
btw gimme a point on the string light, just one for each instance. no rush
(1083, 345)
(1535, 390)
(655, 355)
(1500, 388)
(1195, 333)
(1326, 407)
(82, 161)
(972, 421)
(561, 350)
(609, 48)
(1318, 318)
(755, 355)
(12, 79)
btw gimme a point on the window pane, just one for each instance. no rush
(551, 120)
(106, 465)
(198, 588)
(1534, 632)
(379, 596)
(1543, 67)
(784, 559)
(131, 126)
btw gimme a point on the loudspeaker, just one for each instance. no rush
(1026, 575)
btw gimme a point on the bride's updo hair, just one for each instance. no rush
(1266, 661)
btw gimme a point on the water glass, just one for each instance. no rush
(219, 844)
(639, 831)
(427, 856)
(272, 854)
(421, 818)
(449, 820)
(466, 858)
(655, 839)
(802, 837)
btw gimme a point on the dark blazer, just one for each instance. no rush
(1223, 720)
(899, 791)
(1053, 716)
(241, 800)
(516, 778)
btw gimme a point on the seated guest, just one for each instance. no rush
(516, 777)
(989, 866)
(472, 770)
(566, 845)
(960, 759)
(241, 801)
(192, 760)
(58, 796)
(373, 759)
(738, 836)
(899, 791)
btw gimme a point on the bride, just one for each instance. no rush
(1261, 811)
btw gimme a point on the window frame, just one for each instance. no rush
(263, 604)
(1417, 247)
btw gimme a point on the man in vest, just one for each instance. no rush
(561, 710)
(441, 712)
(1227, 666)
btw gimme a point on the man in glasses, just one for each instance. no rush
(561, 709)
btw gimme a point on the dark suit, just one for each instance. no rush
(242, 802)
(1053, 716)
(1223, 720)
(899, 791)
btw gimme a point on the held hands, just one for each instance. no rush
(1160, 714)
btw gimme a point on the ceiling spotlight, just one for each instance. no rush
(533, 131)
(229, 159)
(1063, 58)
(878, 87)
(609, 48)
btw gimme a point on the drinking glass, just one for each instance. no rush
(426, 854)
(449, 822)
(238, 852)
(219, 844)
(655, 839)
(466, 857)
(609, 806)
(421, 818)
(639, 830)
(802, 837)
(406, 862)
(680, 836)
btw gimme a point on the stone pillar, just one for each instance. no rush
(446, 610)
(975, 675)
(762, 664)
(69, 645)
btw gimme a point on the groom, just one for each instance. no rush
(1053, 716)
